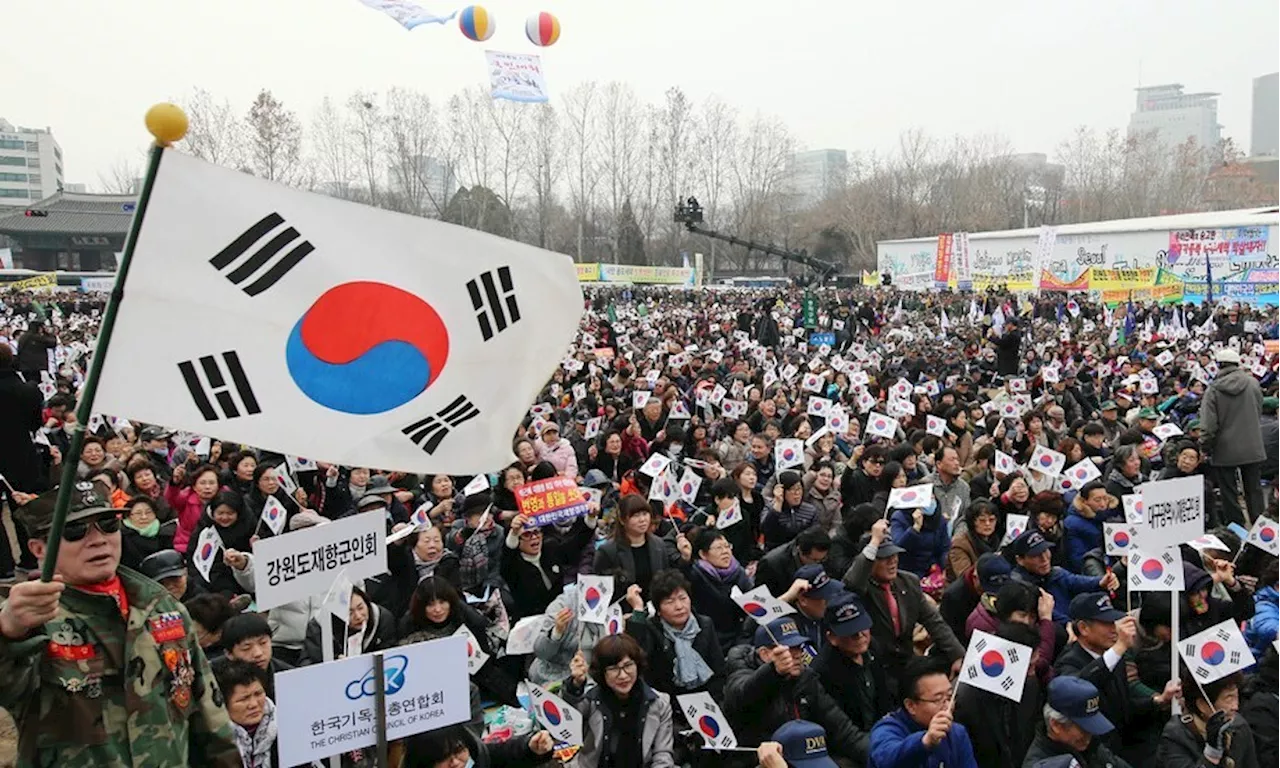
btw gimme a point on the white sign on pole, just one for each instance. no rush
(1172, 512)
(326, 709)
(305, 563)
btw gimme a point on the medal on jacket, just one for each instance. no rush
(181, 675)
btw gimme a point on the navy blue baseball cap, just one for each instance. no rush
(847, 616)
(783, 631)
(1078, 699)
(1093, 606)
(821, 586)
(804, 745)
(1030, 544)
(993, 571)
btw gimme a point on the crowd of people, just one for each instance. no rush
(134, 655)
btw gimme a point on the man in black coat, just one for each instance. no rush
(20, 404)
(772, 686)
(849, 665)
(1103, 636)
(776, 570)
(1074, 729)
(1008, 348)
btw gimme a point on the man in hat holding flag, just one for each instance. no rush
(101, 664)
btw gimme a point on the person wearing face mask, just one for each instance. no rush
(69, 648)
(922, 535)
(1210, 732)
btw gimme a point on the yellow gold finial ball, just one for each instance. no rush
(167, 122)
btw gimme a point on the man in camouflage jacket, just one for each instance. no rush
(101, 666)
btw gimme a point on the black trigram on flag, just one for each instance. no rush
(1006, 683)
(267, 261)
(1234, 658)
(972, 671)
(224, 380)
(494, 299)
(1012, 653)
(1169, 579)
(982, 643)
(428, 432)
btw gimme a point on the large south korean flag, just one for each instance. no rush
(324, 328)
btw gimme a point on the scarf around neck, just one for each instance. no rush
(723, 575)
(148, 531)
(691, 671)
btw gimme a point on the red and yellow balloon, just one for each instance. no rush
(542, 29)
(476, 23)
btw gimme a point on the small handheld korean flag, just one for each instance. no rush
(639, 398)
(1166, 431)
(420, 516)
(595, 593)
(690, 482)
(734, 409)
(476, 657)
(206, 552)
(614, 621)
(788, 452)
(664, 488)
(1005, 464)
(1080, 473)
(812, 382)
(866, 401)
(1264, 536)
(593, 427)
(935, 426)
(1118, 538)
(1216, 652)
(1208, 541)
(1014, 526)
(300, 464)
(996, 665)
(655, 466)
(338, 599)
(286, 480)
(760, 605)
(730, 516)
(679, 410)
(1155, 571)
(913, 497)
(562, 721)
(819, 406)
(1134, 512)
(478, 484)
(274, 515)
(837, 420)
(701, 711)
(1047, 460)
(882, 426)
(384, 360)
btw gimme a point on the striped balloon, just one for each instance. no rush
(542, 29)
(476, 23)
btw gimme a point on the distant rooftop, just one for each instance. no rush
(73, 213)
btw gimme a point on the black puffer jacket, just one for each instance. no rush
(1182, 746)
(757, 701)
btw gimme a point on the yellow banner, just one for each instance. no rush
(45, 280)
(870, 278)
(1169, 292)
(588, 273)
(1116, 279)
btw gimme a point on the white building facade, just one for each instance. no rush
(1176, 116)
(30, 165)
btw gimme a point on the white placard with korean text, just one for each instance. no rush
(326, 709)
(1172, 512)
(304, 563)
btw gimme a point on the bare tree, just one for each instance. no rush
(275, 139)
(677, 129)
(716, 139)
(123, 178)
(331, 145)
(367, 134)
(415, 143)
(543, 166)
(214, 133)
(619, 152)
(582, 130)
(508, 123)
(759, 170)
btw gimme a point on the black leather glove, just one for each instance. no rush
(1217, 736)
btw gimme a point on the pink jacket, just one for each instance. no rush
(560, 455)
(187, 508)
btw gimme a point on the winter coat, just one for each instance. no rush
(710, 596)
(732, 453)
(781, 526)
(187, 509)
(288, 621)
(657, 734)
(1261, 629)
(1135, 715)
(1232, 410)
(1060, 583)
(777, 569)
(134, 547)
(1261, 709)
(1083, 531)
(1182, 745)
(529, 592)
(926, 547)
(840, 678)
(552, 652)
(897, 742)
(613, 555)
(20, 412)
(379, 635)
(1001, 730)
(1098, 755)
(560, 455)
(757, 701)
(661, 653)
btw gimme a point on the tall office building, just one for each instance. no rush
(1264, 138)
(30, 164)
(1176, 116)
(812, 175)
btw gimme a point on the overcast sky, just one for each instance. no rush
(849, 75)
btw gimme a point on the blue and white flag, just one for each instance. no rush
(409, 15)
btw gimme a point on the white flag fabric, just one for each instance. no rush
(1216, 652)
(338, 598)
(935, 425)
(881, 426)
(1155, 571)
(476, 657)
(352, 334)
(1047, 460)
(788, 452)
(286, 480)
(1118, 538)
(614, 621)
(1014, 525)
(300, 464)
(655, 465)
(478, 484)
(1134, 512)
(1079, 474)
(1263, 536)
(274, 515)
(595, 593)
(1005, 464)
(206, 552)
(690, 482)
(996, 665)
(408, 14)
(562, 721)
(702, 712)
(912, 497)
(760, 605)
(730, 516)
(523, 635)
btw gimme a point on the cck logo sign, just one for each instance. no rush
(393, 669)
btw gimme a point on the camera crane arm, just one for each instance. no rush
(689, 213)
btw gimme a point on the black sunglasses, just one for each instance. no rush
(75, 531)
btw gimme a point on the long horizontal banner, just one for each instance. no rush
(631, 273)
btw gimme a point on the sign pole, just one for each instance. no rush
(380, 708)
(166, 128)
(326, 651)
(1175, 707)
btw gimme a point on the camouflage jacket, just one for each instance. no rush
(93, 690)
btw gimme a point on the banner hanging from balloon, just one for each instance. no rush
(516, 76)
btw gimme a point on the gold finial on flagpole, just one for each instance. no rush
(167, 123)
